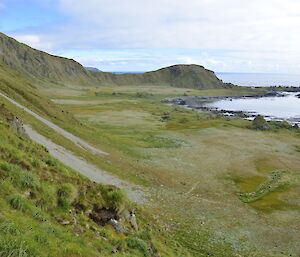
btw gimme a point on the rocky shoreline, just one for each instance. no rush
(200, 103)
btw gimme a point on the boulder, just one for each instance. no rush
(17, 124)
(117, 226)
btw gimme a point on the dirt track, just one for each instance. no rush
(75, 162)
(76, 140)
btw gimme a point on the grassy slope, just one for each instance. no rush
(41, 66)
(185, 76)
(37, 191)
(22, 89)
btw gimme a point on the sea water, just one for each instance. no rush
(286, 107)
(260, 79)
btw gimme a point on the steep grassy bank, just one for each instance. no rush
(49, 210)
(41, 67)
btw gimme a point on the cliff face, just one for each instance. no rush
(40, 65)
(54, 69)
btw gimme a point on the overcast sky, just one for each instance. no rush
(136, 35)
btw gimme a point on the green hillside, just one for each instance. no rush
(40, 65)
(46, 68)
(44, 203)
(183, 76)
(46, 209)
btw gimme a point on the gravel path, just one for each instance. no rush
(76, 140)
(77, 163)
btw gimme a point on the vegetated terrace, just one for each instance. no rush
(195, 166)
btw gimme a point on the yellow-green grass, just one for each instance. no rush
(190, 163)
(145, 91)
(37, 193)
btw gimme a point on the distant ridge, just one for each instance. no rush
(92, 69)
(49, 69)
(186, 76)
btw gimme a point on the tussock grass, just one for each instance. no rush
(38, 193)
(66, 194)
(13, 248)
(18, 202)
(137, 243)
(8, 227)
(47, 197)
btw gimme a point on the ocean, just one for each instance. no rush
(285, 107)
(260, 79)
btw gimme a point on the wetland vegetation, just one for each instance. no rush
(213, 182)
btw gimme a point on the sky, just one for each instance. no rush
(134, 35)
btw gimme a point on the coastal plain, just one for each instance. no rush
(196, 167)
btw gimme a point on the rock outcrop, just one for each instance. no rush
(14, 122)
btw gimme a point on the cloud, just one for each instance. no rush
(231, 34)
(193, 24)
(33, 41)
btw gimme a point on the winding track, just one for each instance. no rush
(75, 162)
(76, 140)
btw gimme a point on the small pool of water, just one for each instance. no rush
(285, 107)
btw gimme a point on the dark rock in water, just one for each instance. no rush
(177, 101)
(270, 94)
(180, 102)
(202, 103)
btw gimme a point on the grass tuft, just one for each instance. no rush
(12, 248)
(17, 202)
(65, 195)
(9, 228)
(138, 244)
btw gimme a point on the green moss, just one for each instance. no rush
(266, 194)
